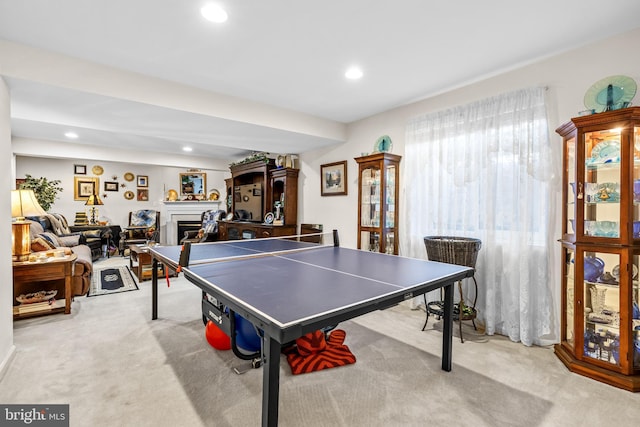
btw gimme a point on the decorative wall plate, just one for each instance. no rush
(129, 176)
(97, 170)
(129, 195)
(268, 218)
(214, 195)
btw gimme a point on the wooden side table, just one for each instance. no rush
(30, 277)
(143, 269)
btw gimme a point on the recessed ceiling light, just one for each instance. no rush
(187, 149)
(214, 13)
(71, 135)
(353, 73)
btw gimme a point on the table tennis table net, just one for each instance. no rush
(233, 250)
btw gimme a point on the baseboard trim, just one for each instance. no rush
(6, 363)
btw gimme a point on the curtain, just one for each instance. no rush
(486, 170)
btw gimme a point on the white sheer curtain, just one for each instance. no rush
(486, 170)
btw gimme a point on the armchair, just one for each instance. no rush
(209, 229)
(144, 226)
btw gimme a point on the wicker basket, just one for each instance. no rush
(453, 250)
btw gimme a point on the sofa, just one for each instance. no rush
(44, 239)
(58, 225)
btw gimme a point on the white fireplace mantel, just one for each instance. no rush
(172, 212)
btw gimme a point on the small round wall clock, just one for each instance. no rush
(383, 144)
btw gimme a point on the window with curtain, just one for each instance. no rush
(485, 170)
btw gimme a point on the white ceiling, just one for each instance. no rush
(282, 53)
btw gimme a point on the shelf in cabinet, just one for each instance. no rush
(602, 166)
(606, 285)
(596, 324)
(616, 202)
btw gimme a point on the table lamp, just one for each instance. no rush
(93, 201)
(23, 203)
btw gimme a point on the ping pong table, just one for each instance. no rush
(287, 288)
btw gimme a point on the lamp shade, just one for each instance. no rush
(94, 200)
(24, 203)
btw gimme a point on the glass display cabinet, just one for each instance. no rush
(600, 332)
(378, 179)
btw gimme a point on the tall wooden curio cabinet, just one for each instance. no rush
(378, 180)
(600, 333)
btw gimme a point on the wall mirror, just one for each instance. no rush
(193, 184)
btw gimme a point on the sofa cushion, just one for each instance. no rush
(52, 238)
(69, 241)
(92, 234)
(35, 228)
(41, 244)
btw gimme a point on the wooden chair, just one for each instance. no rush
(144, 226)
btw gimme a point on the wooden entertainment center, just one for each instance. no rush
(263, 200)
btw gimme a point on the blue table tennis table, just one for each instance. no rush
(287, 288)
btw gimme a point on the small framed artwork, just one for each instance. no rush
(143, 181)
(333, 179)
(80, 169)
(111, 186)
(85, 187)
(143, 195)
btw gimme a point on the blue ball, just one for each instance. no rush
(247, 337)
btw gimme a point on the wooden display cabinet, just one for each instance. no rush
(273, 190)
(600, 330)
(378, 181)
(284, 195)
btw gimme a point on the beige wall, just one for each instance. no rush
(567, 77)
(116, 208)
(6, 277)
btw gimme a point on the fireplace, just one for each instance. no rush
(183, 226)
(190, 211)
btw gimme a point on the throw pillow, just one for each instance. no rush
(41, 244)
(69, 241)
(210, 227)
(52, 238)
(92, 233)
(35, 228)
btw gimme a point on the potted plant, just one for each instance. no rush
(46, 191)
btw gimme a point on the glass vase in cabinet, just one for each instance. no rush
(378, 180)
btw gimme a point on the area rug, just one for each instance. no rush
(111, 281)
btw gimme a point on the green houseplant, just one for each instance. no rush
(46, 191)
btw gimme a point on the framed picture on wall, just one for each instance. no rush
(80, 169)
(143, 195)
(85, 187)
(143, 181)
(333, 179)
(111, 186)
